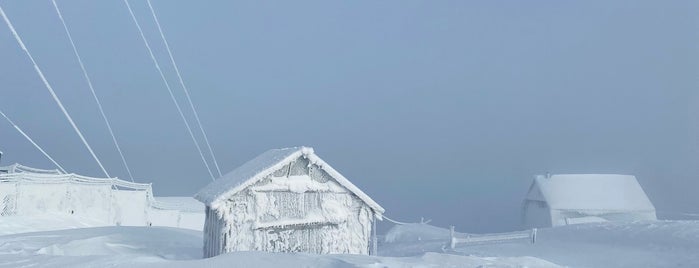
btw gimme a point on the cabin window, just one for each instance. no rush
(308, 208)
(290, 205)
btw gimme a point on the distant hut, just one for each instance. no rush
(580, 198)
(287, 200)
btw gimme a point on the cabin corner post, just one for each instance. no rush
(374, 243)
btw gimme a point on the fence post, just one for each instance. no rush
(452, 240)
(533, 236)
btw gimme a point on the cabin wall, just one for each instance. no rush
(536, 214)
(299, 208)
(213, 227)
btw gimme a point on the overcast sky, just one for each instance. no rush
(440, 109)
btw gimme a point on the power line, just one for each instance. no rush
(92, 89)
(394, 221)
(32, 141)
(186, 92)
(167, 85)
(48, 86)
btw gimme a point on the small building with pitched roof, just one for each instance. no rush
(564, 199)
(287, 200)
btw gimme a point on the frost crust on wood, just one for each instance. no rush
(295, 206)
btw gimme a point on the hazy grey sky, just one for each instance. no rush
(441, 109)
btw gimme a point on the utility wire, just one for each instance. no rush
(33, 143)
(92, 89)
(186, 91)
(53, 94)
(394, 221)
(167, 85)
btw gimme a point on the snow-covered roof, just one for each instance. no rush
(608, 192)
(264, 165)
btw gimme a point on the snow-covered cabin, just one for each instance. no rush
(287, 200)
(580, 198)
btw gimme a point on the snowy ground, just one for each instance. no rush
(45, 222)
(647, 244)
(640, 244)
(171, 247)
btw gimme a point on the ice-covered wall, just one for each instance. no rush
(298, 208)
(109, 201)
(31, 194)
(536, 214)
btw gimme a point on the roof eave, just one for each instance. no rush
(215, 202)
(309, 154)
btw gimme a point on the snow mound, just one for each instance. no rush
(99, 247)
(264, 259)
(173, 248)
(609, 244)
(638, 244)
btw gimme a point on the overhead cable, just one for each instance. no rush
(167, 85)
(50, 89)
(92, 89)
(186, 91)
(33, 143)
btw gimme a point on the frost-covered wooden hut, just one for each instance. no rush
(580, 198)
(287, 200)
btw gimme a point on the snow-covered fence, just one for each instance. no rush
(109, 200)
(30, 191)
(473, 239)
(17, 168)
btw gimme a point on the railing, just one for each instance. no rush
(17, 168)
(48, 178)
(473, 239)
